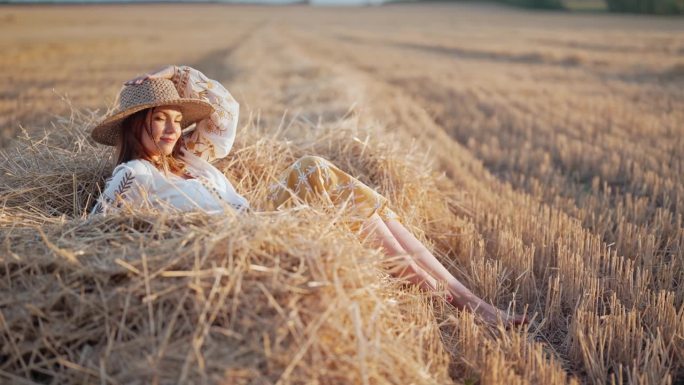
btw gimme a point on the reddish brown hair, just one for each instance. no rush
(130, 144)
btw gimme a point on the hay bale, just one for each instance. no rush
(266, 297)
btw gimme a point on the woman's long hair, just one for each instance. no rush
(130, 144)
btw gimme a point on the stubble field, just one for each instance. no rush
(540, 155)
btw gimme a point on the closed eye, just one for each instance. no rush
(177, 121)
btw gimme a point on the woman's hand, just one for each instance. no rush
(164, 73)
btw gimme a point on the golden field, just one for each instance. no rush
(539, 154)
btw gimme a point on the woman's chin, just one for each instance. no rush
(166, 149)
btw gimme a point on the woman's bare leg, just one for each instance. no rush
(376, 231)
(462, 296)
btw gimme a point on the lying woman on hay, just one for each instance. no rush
(160, 165)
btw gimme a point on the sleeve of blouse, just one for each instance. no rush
(213, 136)
(128, 186)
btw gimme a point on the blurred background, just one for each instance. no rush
(663, 7)
(83, 48)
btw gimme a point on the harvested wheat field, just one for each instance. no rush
(539, 155)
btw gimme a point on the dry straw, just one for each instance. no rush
(292, 297)
(275, 297)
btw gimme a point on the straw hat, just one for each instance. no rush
(152, 92)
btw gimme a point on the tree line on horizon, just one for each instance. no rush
(658, 7)
(661, 7)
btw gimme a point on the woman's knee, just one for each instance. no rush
(307, 161)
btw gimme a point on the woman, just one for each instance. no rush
(160, 166)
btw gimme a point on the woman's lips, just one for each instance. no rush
(168, 140)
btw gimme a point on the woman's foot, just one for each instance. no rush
(519, 319)
(490, 314)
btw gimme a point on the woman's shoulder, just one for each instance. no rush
(135, 166)
(135, 171)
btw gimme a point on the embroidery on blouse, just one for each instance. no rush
(191, 83)
(180, 80)
(204, 94)
(214, 191)
(98, 209)
(124, 185)
(203, 146)
(220, 111)
(226, 114)
(212, 127)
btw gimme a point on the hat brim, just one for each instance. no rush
(108, 130)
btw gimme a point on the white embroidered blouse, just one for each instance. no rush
(140, 184)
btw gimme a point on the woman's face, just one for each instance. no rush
(165, 129)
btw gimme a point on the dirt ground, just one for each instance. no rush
(563, 133)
